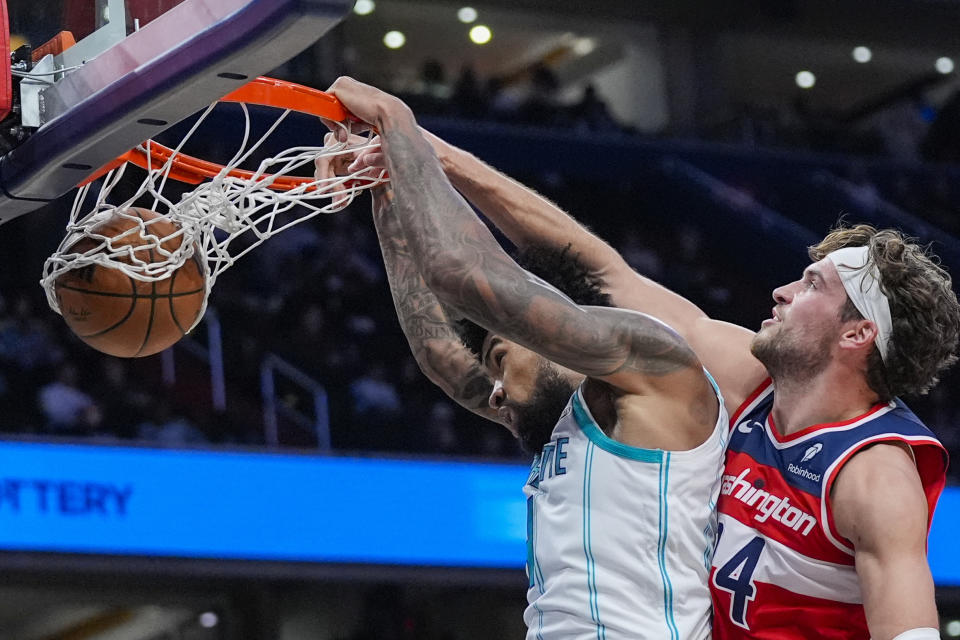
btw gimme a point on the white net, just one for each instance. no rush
(222, 219)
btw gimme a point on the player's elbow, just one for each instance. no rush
(425, 358)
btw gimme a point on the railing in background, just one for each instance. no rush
(211, 354)
(889, 214)
(622, 155)
(273, 408)
(752, 232)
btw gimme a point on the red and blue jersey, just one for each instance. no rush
(781, 570)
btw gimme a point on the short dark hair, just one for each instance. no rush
(561, 268)
(923, 306)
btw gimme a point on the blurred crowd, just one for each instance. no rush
(532, 97)
(322, 293)
(914, 123)
(919, 121)
(318, 298)
(52, 384)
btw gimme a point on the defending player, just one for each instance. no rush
(630, 430)
(831, 481)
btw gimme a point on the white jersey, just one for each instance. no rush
(620, 539)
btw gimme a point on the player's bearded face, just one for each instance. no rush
(537, 417)
(793, 349)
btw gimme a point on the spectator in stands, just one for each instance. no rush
(433, 79)
(592, 114)
(124, 402)
(542, 106)
(442, 432)
(373, 394)
(468, 99)
(25, 340)
(320, 291)
(431, 92)
(169, 428)
(502, 101)
(66, 409)
(9, 421)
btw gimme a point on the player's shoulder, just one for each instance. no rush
(882, 461)
(879, 486)
(905, 419)
(881, 445)
(892, 424)
(880, 473)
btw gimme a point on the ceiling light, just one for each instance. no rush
(394, 39)
(467, 15)
(944, 65)
(208, 619)
(480, 34)
(862, 54)
(364, 7)
(805, 79)
(584, 46)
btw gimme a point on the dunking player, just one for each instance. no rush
(630, 430)
(831, 481)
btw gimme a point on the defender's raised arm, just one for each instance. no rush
(467, 269)
(527, 218)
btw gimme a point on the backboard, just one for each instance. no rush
(137, 68)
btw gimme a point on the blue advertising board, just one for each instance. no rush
(300, 508)
(942, 550)
(132, 501)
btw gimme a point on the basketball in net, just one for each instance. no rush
(116, 313)
(131, 281)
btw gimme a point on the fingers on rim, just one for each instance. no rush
(369, 160)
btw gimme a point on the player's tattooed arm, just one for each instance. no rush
(432, 339)
(469, 272)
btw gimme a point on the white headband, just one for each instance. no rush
(863, 287)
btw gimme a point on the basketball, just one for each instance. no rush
(120, 315)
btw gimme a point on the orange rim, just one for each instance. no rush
(267, 92)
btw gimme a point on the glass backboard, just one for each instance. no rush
(137, 67)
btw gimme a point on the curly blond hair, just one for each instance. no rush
(923, 306)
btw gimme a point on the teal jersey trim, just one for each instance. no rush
(540, 579)
(533, 567)
(536, 563)
(531, 558)
(713, 383)
(540, 624)
(587, 548)
(596, 435)
(661, 550)
(716, 389)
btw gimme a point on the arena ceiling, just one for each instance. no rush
(754, 49)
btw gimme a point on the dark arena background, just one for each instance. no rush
(286, 472)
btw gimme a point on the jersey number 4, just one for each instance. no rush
(736, 576)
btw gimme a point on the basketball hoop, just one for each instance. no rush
(228, 202)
